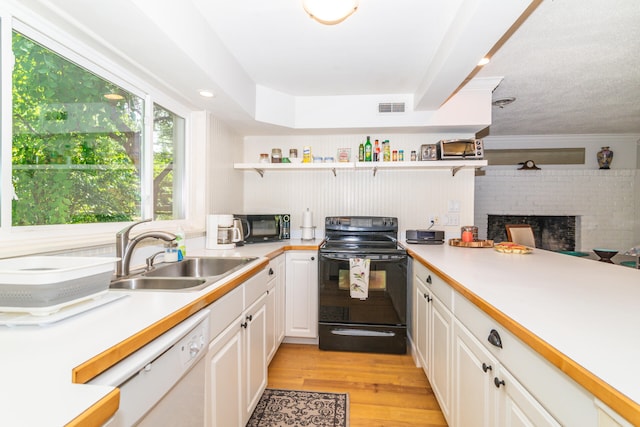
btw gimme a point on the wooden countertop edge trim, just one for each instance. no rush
(302, 247)
(100, 412)
(620, 403)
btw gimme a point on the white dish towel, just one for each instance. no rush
(359, 278)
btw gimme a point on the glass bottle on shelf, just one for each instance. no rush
(367, 150)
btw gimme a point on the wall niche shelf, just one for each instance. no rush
(453, 165)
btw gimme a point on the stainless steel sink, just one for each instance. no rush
(200, 267)
(160, 283)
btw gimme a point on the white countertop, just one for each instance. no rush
(586, 309)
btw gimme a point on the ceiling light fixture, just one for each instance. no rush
(207, 93)
(502, 102)
(330, 12)
(484, 61)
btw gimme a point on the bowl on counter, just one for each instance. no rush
(605, 254)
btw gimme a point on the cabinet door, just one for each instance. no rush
(255, 354)
(280, 298)
(440, 349)
(271, 315)
(474, 395)
(301, 294)
(421, 299)
(224, 379)
(516, 405)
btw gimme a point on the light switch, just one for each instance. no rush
(453, 219)
(454, 206)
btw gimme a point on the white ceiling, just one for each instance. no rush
(573, 65)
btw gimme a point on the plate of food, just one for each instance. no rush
(512, 248)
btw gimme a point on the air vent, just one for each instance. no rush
(391, 107)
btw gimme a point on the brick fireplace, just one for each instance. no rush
(552, 232)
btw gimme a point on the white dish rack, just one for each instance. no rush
(41, 285)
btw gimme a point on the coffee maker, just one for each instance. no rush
(222, 233)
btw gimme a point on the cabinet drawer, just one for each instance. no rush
(435, 284)
(225, 310)
(567, 401)
(255, 287)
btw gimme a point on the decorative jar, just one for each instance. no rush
(605, 157)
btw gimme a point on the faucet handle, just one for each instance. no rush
(125, 231)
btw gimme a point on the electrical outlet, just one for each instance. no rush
(434, 220)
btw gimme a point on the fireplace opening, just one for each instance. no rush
(554, 233)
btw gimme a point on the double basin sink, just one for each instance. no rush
(190, 274)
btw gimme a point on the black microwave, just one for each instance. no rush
(461, 149)
(265, 227)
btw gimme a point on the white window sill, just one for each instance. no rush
(60, 239)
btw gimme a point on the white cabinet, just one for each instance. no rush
(225, 389)
(421, 299)
(275, 306)
(486, 394)
(533, 388)
(474, 400)
(254, 354)
(473, 380)
(237, 357)
(516, 406)
(280, 270)
(301, 294)
(440, 349)
(433, 333)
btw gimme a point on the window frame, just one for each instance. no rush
(44, 238)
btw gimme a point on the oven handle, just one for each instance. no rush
(392, 259)
(362, 333)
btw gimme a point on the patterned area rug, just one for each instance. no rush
(280, 408)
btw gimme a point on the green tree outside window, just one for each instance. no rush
(77, 144)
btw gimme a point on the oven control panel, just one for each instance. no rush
(361, 223)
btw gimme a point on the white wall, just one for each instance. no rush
(223, 185)
(412, 196)
(607, 201)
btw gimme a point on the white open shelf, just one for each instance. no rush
(453, 165)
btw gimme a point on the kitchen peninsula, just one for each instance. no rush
(577, 315)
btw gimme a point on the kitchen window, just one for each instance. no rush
(82, 151)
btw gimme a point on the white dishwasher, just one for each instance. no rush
(163, 383)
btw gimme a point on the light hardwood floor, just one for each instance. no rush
(384, 390)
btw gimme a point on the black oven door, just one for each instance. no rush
(376, 324)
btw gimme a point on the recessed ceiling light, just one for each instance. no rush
(113, 96)
(484, 61)
(207, 93)
(502, 102)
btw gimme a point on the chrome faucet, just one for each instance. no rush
(125, 246)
